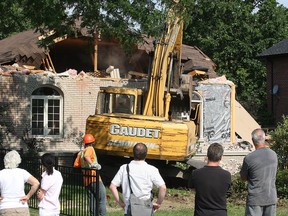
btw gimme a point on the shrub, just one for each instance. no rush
(282, 183)
(279, 142)
(238, 190)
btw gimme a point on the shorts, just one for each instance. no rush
(15, 212)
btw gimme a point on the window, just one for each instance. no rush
(115, 103)
(46, 112)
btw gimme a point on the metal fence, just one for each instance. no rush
(73, 196)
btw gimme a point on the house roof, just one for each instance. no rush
(21, 45)
(24, 46)
(191, 56)
(280, 48)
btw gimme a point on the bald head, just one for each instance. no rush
(140, 151)
(258, 137)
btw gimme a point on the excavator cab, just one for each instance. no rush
(119, 100)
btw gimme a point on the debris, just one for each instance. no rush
(70, 72)
(114, 72)
(245, 144)
(137, 75)
(30, 67)
(109, 69)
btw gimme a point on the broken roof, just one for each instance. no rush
(191, 55)
(23, 48)
(280, 48)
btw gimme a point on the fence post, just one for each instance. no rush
(97, 192)
(56, 162)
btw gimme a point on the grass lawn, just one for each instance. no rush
(180, 202)
(233, 210)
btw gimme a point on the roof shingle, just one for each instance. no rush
(280, 48)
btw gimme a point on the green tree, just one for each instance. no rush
(12, 18)
(124, 20)
(233, 34)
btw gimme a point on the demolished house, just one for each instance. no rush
(78, 54)
(50, 91)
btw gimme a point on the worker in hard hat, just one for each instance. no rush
(87, 158)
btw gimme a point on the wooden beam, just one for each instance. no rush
(44, 64)
(50, 60)
(47, 63)
(96, 37)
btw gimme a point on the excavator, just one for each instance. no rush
(169, 121)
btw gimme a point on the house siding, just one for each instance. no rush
(79, 101)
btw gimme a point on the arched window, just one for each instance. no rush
(46, 111)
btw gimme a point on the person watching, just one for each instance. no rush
(259, 168)
(142, 178)
(211, 184)
(13, 200)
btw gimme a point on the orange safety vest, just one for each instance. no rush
(89, 175)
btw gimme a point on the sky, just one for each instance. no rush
(283, 2)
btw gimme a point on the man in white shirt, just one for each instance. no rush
(142, 179)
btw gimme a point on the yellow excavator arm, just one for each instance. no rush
(168, 49)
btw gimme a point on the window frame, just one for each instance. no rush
(46, 98)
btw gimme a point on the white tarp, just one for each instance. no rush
(216, 110)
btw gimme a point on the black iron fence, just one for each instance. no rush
(73, 197)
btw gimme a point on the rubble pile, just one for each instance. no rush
(8, 70)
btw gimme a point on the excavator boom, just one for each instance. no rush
(167, 49)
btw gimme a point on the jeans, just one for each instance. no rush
(92, 199)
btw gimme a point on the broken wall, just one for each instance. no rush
(79, 100)
(78, 54)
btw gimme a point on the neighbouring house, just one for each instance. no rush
(50, 92)
(276, 60)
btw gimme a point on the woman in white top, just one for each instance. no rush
(13, 200)
(51, 184)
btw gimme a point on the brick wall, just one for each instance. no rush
(277, 68)
(79, 101)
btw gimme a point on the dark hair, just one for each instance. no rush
(89, 144)
(140, 151)
(48, 161)
(215, 152)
